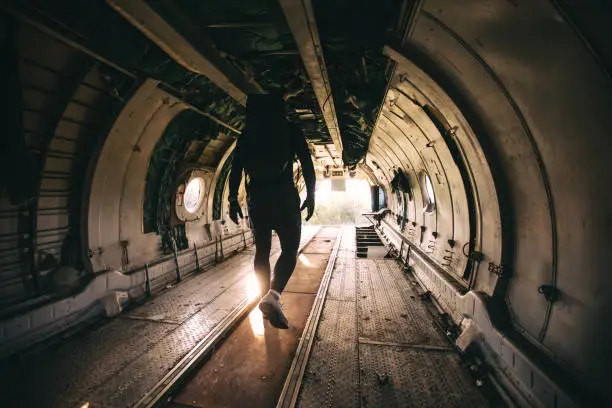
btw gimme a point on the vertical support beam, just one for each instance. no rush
(301, 20)
(197, 261)
(147, 281)
(410, 12)
(176, 264)
(216, 250)
(190, 47)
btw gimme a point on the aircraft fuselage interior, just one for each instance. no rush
(457, 256)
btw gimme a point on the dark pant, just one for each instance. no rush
(285, 219)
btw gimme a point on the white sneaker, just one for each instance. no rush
(272, 310)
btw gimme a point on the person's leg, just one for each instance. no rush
(288, 229)
(263, 244)
(289, 232)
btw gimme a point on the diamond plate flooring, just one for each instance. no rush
(378, 346)
(249, 368)
(116, 363)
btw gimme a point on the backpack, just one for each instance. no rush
(265, 144)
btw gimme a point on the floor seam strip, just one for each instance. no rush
(427, 347)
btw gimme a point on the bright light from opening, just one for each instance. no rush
(303, 259)
(257, 323)
(193, 195)
(255, 317)
(341, 207)
(430, 190)
(253, 290)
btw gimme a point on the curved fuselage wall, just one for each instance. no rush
(538, 104)
(117, 193)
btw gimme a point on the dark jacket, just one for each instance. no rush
(281, 189)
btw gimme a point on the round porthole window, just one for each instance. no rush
(192, 198)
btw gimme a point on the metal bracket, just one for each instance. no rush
(96, 251)
(476, 256)
(496, 269)
(550, 292)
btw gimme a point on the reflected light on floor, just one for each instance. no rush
(85, 405)
(303, 259)
(253, 291)
(255, 317)
(257, 323)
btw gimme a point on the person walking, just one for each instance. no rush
(265, 152)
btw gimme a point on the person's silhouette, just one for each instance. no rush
(265, 151)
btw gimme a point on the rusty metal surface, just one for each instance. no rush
(311, 267)
(329, 232)
(251, 365)
(320, 245)
(117, 363)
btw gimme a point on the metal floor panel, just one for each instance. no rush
(332, 375)
(184, 300)
(400, 377)
(137, 378)
(327, 232)
(389, 308)
(342, 285)
(61, 376)
(319, 245)
(376, 345)
(313, 267)
(331, 378)
(115, 364)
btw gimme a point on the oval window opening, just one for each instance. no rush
(428, 194)
(193, 195)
